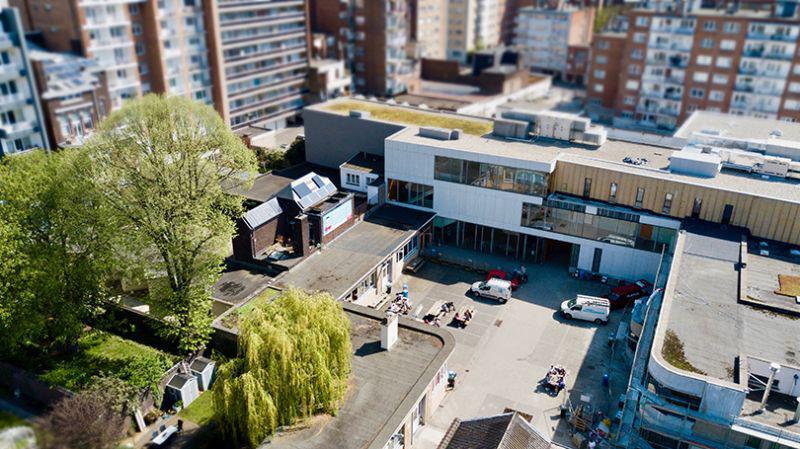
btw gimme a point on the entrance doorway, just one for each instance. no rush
(559, 253)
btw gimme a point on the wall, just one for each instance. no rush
(765, 217)
(332, 139)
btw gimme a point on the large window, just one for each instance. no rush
(609, 226)
(411, 193)
(490, 176)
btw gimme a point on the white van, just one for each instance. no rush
(587, 308)
(494, 288)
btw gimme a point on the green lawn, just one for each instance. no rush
(9, 420)
(200, 411)
(231, 321)
(100, 353)
(408, 116)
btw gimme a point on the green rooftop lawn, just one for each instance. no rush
(200, 411)
(103, 354)
(412, 117)
(231, 320)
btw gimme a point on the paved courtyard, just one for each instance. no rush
(507, 348)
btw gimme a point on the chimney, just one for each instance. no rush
(774, 368)
(389, 332)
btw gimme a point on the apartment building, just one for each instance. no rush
(21, 120)
(261, 49)
(473, 25)
(603, 73)
(742, 62)
(550, 38)
(428, 28)
(143, 45)
(380, 40)
(73, 92)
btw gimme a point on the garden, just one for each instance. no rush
(98, 354)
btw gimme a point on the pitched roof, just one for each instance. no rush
(262, 213)
(505, 431)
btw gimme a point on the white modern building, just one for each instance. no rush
(493, 195)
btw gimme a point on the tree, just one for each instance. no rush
(55, 248)
(161, 163)
(86, 420)
(294, 361)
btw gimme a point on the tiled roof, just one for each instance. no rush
(505, 431)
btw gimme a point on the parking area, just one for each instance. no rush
(507, 348)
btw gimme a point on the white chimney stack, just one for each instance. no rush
(797, 411)
(773, 368)
(389, 332)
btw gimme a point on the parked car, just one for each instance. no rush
(587, 308)
(624, 295)
(494, 288)
(500, 274)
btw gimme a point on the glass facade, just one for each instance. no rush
(411, 193)
(486, 239)
(608, 226)
(491, 176)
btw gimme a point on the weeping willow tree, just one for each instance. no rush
(294, 361)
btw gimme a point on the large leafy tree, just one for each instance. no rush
(294, 361)
(55, 248)
(161, 164)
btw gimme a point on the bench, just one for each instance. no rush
(414, 265)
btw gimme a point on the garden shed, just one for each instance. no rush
(182, 387)
(203, 370)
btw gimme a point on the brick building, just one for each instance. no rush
(742, 62)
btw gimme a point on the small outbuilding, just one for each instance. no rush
(182, 387)
(203, 370)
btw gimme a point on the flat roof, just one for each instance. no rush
(384, 385)
(710, 325)
(365, 162)
(611, 156)
(737, 126)
(237, 285)
(354, 254)
(267, 185)
(406, 115)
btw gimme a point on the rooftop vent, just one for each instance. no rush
(776, 133)
(359, 114)
(440, 133)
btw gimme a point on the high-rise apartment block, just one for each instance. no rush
(672, 64)
(375, 38)
(143, 45)
(21, 122)
(262, 53)
(473, 25)
(550, 39)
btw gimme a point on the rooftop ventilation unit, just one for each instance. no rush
(359, 114)
(440, 133)
(551, 125)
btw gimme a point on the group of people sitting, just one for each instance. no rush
(556, 378)
(400, 305)
(463, 319)
(436, 320)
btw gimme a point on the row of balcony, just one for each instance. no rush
(771, 36)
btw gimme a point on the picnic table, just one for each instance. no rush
(164, 436)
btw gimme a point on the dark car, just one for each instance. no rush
(624, 295)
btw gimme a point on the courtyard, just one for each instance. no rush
(507, 348)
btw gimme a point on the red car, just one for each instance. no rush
(500, 274)
(624, 295)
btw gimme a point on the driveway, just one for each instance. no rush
(507, 348)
